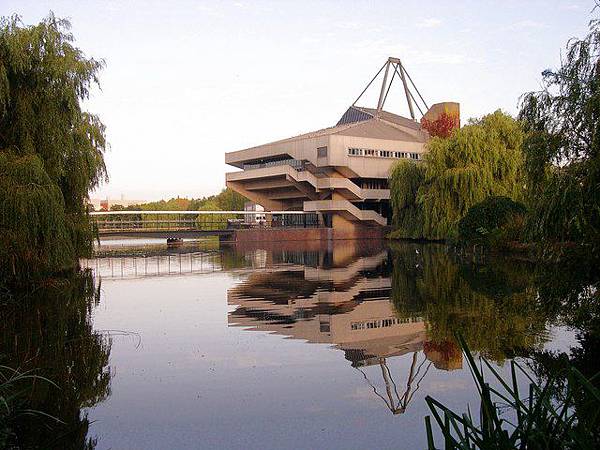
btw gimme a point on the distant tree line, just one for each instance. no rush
(226, 200)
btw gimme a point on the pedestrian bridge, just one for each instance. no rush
(188, 224)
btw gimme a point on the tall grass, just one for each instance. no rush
(15, 388)
(540, 419)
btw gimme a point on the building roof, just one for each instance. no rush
(360, 114)
(380, 129)
(364, 122)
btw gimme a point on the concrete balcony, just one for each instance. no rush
(280, 176)
(345, 209)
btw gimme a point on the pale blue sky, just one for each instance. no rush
(187, 81)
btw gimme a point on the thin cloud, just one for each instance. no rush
(431, 22)
(528, 24)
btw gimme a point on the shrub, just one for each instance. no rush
(494, 222)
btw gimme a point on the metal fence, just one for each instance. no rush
(146, 221)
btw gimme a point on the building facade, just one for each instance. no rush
(340, 173)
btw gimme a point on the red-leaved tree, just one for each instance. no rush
(442, 126)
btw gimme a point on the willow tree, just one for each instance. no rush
(482, 159)
(562, 147)
(406, 179)
(51, 151)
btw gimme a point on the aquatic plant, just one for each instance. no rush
(509, 420)
(14, 388)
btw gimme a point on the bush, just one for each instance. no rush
(494, 222)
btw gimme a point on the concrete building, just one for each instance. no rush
(340, 173)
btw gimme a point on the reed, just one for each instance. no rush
(510, 419)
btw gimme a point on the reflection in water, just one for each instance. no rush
(389, 314)
(50, 332)
(374, 303)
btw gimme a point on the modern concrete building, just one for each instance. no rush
(341, 172)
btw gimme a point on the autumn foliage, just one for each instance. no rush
(442, 126)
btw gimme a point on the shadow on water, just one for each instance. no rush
(50, 332)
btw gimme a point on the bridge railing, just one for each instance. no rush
(146, 221)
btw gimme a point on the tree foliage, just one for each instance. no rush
(482, 159)
(226, 200)
(406, 179)
(51, 151)
(492, 222)
(442, 126)
(562, 147)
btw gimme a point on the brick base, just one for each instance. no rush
(305, 234)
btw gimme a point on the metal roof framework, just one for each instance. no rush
(395, 65)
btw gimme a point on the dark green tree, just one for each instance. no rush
(51, 151)
(494, 222)
(562, 147)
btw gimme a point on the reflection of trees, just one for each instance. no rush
(51, 331)
(492, 305)
(571, 292)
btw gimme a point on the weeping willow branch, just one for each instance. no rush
(479, 160)
(52, 151)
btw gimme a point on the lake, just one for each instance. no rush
(276, 345)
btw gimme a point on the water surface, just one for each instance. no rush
(294, 345)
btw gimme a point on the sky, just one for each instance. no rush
(187, 81)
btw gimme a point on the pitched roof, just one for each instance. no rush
(381, 129)
(360, 113)
(363, 122)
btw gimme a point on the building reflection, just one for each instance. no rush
(341, 295)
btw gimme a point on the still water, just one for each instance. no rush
(293, 345)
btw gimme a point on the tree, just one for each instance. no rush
(562, 147)
(482, 159)
(442, 126)
(406, 178)
(494, 222)
(51, 151)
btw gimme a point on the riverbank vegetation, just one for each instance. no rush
(547, 161)
(51, 150)
(511, 417)
(482, 159)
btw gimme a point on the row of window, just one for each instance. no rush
(374, 183)
(295, 163)
(382, 153)
(383, 323)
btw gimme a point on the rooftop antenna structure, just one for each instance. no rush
(395, 65)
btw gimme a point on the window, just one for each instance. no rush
(382, 153)
(321, 152)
